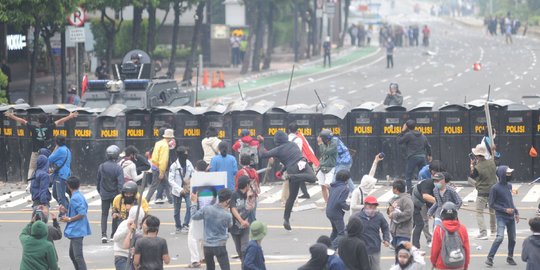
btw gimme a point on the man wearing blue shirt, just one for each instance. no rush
(225, 163)
(77, 226)
(60, 161)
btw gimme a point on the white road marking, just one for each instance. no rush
(369, 85)
(312, 191)
(497, 89)
(422, 91)
(11, 195)
(397, 76)
(385, 197)
(272, 198)
(471, 197)
(351, 92)
(437, 85)
(459, 74)
(533, 195)
(508, 83)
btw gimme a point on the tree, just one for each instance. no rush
(345, 23)
(152, 21)
(199, 13)
(138, 8)
(259, 35)
(270, 42)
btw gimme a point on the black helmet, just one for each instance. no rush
(135, 56)
(113, 152)
(449, 211)
(394, 85)
(325, 134)
(130, 186)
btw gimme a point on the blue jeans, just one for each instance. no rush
(413, 163)
(59, 191)
(398, 239)
(347, 167)
(510, 225)
(338, 231)
(177, 202)
(120, 262)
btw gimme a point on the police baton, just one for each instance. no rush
(482, 212)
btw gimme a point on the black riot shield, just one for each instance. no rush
(139, 129)
(3, 151)
(162, 118)
(391, 123)
(82, 133)
(427, 122)
(188, 131)
(478, 123)
(216, 117)
(455, 140)
(364, 138)
(273, 121)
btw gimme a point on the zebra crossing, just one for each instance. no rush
(271, 195)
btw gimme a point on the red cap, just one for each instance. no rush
(371, 200)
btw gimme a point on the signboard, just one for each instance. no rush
(220, 31)
(76, 34)
(15, 42)
(330, 9)
(208, 185)
(78, 17)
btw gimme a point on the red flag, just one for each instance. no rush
(84, 85)
(307, 152)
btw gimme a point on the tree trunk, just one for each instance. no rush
(256, 64)
(250, 19)
(63, 63)
(346, 24)
(151, 35)
(174, 43)
(188, 72)
(47, 37)
(136, 40)
(270, 41)
(32, 88)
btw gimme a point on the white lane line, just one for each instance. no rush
(449, 80)
(272, 198)
(471, 197)
(497, 89)
(459, 74)
(384, 80)
(312, 191)
(467, 70)
(416, 67)
(265, 189)
(11, 195)
(332, 98)
(422, 91)
(525, 72)
(407, 97)
(369, 85)
(437, 85)
(397, 76)
(351, 92)
(508, 83)
(385, 197)
(20, 201)
(533, 195)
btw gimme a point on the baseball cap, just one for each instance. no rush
(371, 200)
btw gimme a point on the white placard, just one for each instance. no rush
(208, 184)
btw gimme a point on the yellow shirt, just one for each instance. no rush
(160, 155)
(121, 209)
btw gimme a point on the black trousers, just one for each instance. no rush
(296, 178)
(221, 255)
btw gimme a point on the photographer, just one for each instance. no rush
(38, 252)
(54, 230)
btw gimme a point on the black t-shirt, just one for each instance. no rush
(41, 136)
(238, 201)
(426, 187)
(151, 250)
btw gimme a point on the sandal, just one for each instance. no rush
(194, 265)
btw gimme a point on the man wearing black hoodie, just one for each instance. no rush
(352, 248)
(506, 213)
(418, 150)
(298, 170)
(337, 203)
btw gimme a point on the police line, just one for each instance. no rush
(367, 130)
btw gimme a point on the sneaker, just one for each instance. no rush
(287, 225)
(305, 196)
(489, 262)
(510, 261)
(194, 265)
(482, 237)
(185, 230)
(538, 212)
(178, 231)
(159, 201)
(104, 240)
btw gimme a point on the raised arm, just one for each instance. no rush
(12, 116)
(66, 118)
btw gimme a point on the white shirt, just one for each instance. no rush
(175, 178)
(130, 170)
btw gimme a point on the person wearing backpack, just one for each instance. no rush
(179, 178)
(254, 183)
(327, 157)
(343, 161)
(450, 249)
(249, 146)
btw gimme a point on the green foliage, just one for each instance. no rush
(3, 85)
(164, 52)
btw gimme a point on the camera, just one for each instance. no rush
(39, 215)
(381, 155)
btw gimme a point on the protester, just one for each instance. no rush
(343, 160)
(423, 198)
(41, 134)
(128, 197)
(160, 160)
(327, 158)
(352, 249)
(394, 96)
(443, 193)
(110, 180)
(299, 139)
(225, 162)
(500, 200)
(334, 261)
(72, 97)
(297, 170)
(77, 226)
(254, 183)
(491, 148)
(196, 229)
(102, 72)
(246, 145)
(128, 165)
(121, 254)
(450, 249)
(54, 231)
(60, 163)
(367, 184)
(327, 50)
(400, 213)
(242, 216)
(408, 257)
(151, 251)
(531, 245)
(374, 224)
(483, 175)
(217, 220)
(319, 258)
(40, 184)
(389, 46)
(418, 150)
(254, 256)
(210, 144)
(37, 252)
(337, 203)
(180, 174)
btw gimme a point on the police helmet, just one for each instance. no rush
(325, 134)
(113, 152)
(449, 211)
(394, 85)
(130, 186)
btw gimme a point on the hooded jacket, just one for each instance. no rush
(38, 252)
(372, 231)
(287, 152)
(352, 248)
(452, 226)
(110, 180)
(401, 223)
(530, 251)
(415, 142)
(247, 140)
(339, 191)
(40, 185)
(319, 258)
(210, 148)
(500, 196)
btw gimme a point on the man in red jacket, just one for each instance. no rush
(460, 255)
(246, 145)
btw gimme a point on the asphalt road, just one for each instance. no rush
(283, 250)
(442, 72)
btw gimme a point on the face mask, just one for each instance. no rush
(438, 185)
(509, 178)
(129, 200)
(370, 212)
